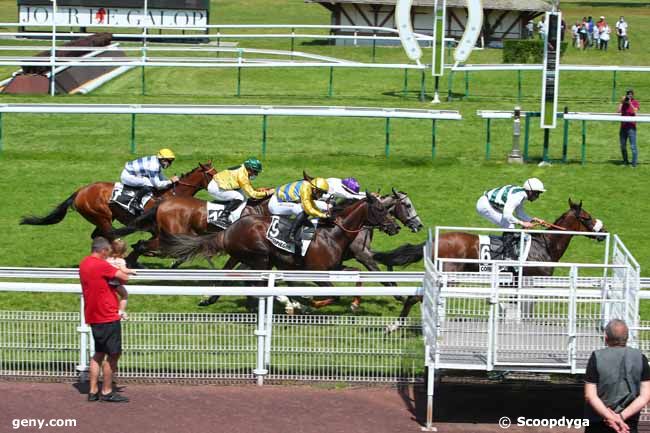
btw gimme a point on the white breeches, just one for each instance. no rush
(283, 208)
(322, 205)
(228, 195)
(486, 210)
(135, 181)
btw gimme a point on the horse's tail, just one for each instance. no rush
(54, 217)
(401, 256)
(186, 247)
(143, 223)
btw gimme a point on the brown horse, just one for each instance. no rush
(177, 216)
(245, 240)
(93, 201)
(457, 245)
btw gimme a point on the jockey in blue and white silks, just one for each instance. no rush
(146, 172)
(504, 206)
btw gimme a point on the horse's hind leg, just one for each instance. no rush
(209, 300)
(406, 309)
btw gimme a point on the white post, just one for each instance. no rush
(493, 318)
(269, 323)
(431, 371)
(53, 51)
(83, 330)
(145, 16)
(260, 371)
(573, 313)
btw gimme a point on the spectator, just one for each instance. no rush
(617, 384)
(575, 29)
(541, 29)
(621, 33)
(590, 31)
(601, 23)
(583, 36)
(596, 37)
(604, 36)
(562, 30)
(530, 29)
(101, 313)
(628, 107)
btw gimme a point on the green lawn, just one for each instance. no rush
(46, 157)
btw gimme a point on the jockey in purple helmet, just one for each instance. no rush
(347, 188)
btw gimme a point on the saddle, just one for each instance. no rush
(215, 208)
(279, 234)
(124, 197)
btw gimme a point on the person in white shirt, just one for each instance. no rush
(621, 32)
(604, 36)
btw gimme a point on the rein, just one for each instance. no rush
(340, 225)
(550, 225)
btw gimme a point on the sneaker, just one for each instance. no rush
(114, 397)
(93, 397)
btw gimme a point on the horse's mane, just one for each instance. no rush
(340, 207)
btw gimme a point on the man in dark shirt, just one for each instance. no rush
(617, 384)
(101, 313)
(628, 107)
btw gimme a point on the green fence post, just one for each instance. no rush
(614, 88)
(143, 83)
(565, 141)
(1, 144)
(450, 85)
(584, 142)
(330, 88)
(405, 90)
(264, 126)
(238, 80)
(293, 30)
(374, 47)
(387, 132)
(133, 150)
(433, 139)
(218, 41)
(547, 137)
(518, 85)
(466, 84)
(526, 136)
(487, 139)
(422, 82)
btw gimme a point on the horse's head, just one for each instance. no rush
(200, 176)
(400, 206)
(379, 217)
(583, 221)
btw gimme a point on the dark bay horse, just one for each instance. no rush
(245, 240)
(92, 201)
(177, 216)
(458, 245)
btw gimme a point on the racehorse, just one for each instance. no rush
(93, 201)
(176, 216)
(245, 240)
(545, 247)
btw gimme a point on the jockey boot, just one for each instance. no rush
(510, 246)
(139, 195)
(295, 228)
(224, 217)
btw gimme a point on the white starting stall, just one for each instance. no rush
(505, 320)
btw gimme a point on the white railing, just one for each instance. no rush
(220, 346)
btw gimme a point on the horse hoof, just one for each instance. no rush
(392, 328)
(289, 310)
(354, 307)
(207, 300)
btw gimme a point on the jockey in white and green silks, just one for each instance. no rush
(504, 206)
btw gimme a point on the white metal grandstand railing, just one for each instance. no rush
(220, 346)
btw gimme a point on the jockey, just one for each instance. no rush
(347, 189)
(146, 173)
(504, 206)
(234, 186)
(300, 199)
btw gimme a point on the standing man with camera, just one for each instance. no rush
(628, 107)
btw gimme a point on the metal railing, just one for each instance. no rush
(205, 346)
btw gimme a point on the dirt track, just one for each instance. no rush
(278, 409)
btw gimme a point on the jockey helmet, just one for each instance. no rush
(351, 184)
(534, 184)
(166, 154)
(253, 164)
(320, 184)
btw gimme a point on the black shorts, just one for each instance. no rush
(108, 337)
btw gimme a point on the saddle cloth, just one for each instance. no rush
(491, 248)
(123, 196)
(214, 209)
(279, 232)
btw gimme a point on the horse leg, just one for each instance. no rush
(139, 248)
(406, 309)
(209, 300)
(324, 302)
(356, 301)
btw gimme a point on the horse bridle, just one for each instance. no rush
(401, 201)
(588, 223)
(207, 175)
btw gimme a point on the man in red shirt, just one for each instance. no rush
(101, 313)
(628, 107)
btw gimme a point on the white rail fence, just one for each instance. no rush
(207, 346)
(509, 319)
